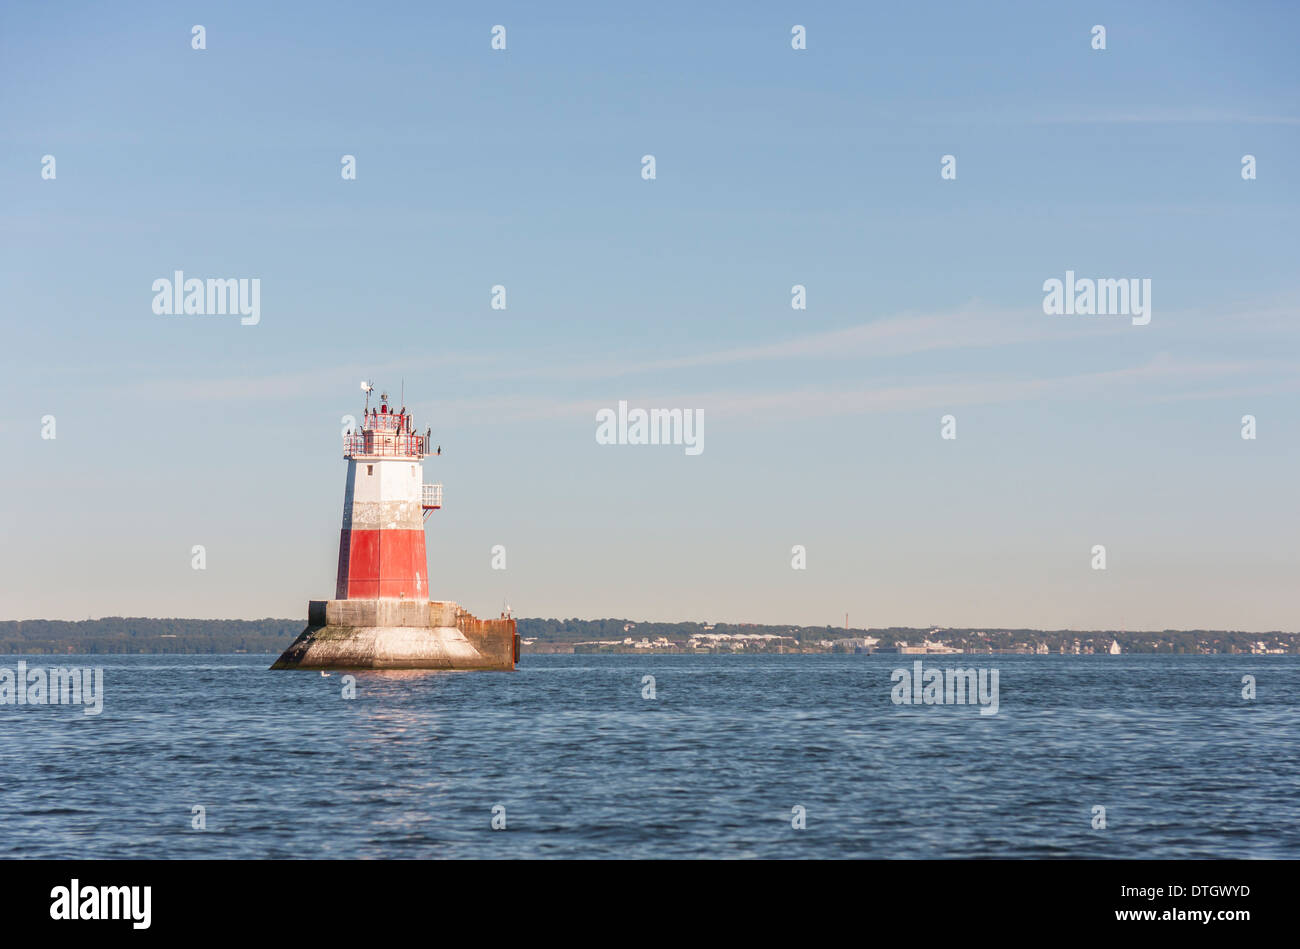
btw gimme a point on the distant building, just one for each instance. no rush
(941, 648)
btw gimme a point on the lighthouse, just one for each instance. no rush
(385, 504)
(381, 616)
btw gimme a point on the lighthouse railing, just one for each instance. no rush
(385, 421)
(431, 496)
(379, 445)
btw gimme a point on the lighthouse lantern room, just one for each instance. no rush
(385, 503)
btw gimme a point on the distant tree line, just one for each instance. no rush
(577, 630)
(1165, 641)
(131, 634)
(134, 634)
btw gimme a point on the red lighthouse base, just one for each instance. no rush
(376, 564)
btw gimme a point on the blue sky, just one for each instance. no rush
(775, 167)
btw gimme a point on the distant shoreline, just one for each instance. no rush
(151, 636)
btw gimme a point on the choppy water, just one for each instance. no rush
(585, 767)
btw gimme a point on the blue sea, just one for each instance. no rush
(570, 756)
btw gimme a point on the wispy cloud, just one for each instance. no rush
(297, 384)
(972, 326)
(1152, 380)
(1167, 117)
(1152, 115)
(490, 391)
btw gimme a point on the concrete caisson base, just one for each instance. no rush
(399, 634)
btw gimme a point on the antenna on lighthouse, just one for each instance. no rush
(367, 388)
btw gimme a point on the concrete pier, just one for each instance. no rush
(400, 634)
